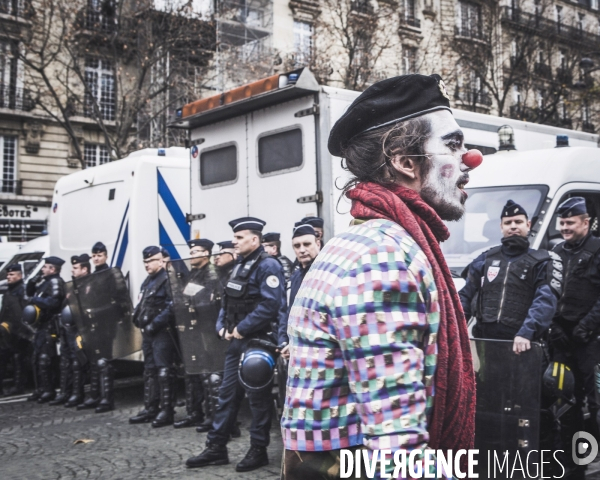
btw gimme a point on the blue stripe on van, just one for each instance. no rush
(173, 207)
(166, 242)
(119, 237)
(123, 249)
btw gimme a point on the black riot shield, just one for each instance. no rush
(101, 308)
(508, 405)
(196, 303)
(11, 314)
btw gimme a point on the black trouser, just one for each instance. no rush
(159, 350)
(230, 397)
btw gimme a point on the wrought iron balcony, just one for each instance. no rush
(97, 21)
(410, 21)
(15, 8)
(542, 70)
(540, 24)
(588, 127)
(564, 76)
(15, 98)
(473, 96)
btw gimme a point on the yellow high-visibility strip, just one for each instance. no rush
(79, 342)
(562, 376)
(555, 369)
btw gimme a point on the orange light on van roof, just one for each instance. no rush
(231, 96)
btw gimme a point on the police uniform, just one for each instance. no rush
(99, 247)
(574, 337)
(14, 336)
(71, 353)
(251, 302)
(286, 263)
(315, 222)
(153, 317)
(47, 295)
(512, 289)
(195, 395)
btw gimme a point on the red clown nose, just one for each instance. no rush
(472, 158)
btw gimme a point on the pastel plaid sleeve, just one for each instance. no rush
(385, 314)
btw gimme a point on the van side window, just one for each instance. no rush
(218, 166)
(280, 151)
(592, 200)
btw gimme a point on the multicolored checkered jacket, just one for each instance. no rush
(363, 344)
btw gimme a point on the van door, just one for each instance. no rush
(282, 166)
(219, 190)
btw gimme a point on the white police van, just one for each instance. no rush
(129, 204)
(261, 150)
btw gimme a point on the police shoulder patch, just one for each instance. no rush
(272, 281)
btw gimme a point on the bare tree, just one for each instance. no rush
(121, 66)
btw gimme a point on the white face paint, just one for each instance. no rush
(443, 186)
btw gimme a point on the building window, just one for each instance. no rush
(469, 20)
(8, 147)
(558, 14)
(95, 155)
(409, 60)
(580, 22)
(408, 13)
(303, 34)
(100, 80)
(516, 94)
(594, 4)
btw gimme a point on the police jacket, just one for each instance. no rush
(48, 294)
(580, 299)
(295, 283)
(263, 292)
(513, 285)
(12, 308)
(154, 306)
(224, 273)
(288, 266)
(101, 268)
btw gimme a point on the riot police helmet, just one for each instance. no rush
(558, 381)
(31, 314)
(257, 365)
(66, 317)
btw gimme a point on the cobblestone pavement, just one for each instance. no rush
(37, 442)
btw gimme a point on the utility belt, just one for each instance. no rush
(147, 315)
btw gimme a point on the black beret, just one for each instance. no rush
(54, 261)
(99, 247)
(151, 251)
(316, 222)
(247, 223)
(572, 207)
(83, 258)
(388, 102)
(301, 229)
(226, 244)
(204, 243)
(14, 267)
(512, 209)
(271, 237)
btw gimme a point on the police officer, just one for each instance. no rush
(575, 328)
(512, 289)
(318, 224)
(251, 302)
(99, 257)
(272, 245)
(47, 293)
(225, 260)
(16, 334)
(71, 375)
(153, 317)
(202, 273)
(306, 247)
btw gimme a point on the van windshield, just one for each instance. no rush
(28, 262)
(479, 229)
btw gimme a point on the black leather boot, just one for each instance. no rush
(193, 403)
(18, 387)
(66, 382)
(45, 373)
(212, 455)
(77, 394)
(167, 392)
(151, 399)
(255, 458)
(107, 388)
(93, 397)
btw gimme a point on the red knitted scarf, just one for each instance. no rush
(452, 425)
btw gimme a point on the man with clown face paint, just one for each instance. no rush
(379, 348)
